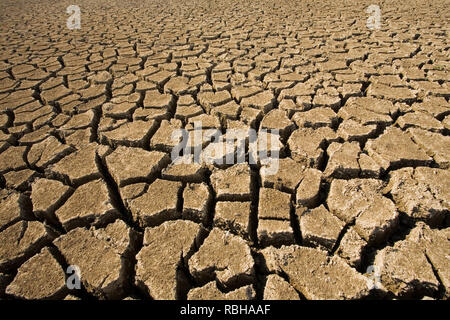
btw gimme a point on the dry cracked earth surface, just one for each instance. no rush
(86, 118)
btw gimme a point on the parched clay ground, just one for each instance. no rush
(358, 209)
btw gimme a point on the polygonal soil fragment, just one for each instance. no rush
(320, 228)
(224, 256)
(351, 247)
(346, 161)
(119, 110)
(274, 204)
(12, 159)
(233, 217)
(186, 172)
(435, 106)
(79, 138)
(184, 113)
(120, 237)
(404, 270)
(131, 165)
(263, 101)
(46, 196)
(212, 99)
(19, 180)
(290, 107)
(229, 110)
(196, 201)
(315, 274)
(149, 114)
(343, 160)
(130, 134)
(369, 168)
(350, 130)
(234, 183)
(277, 119)
(422, 193)
(165, 137)
(206, 122)
(36, 136)
(394, 149)
(420, 120)
(20, 241)
(16, 130)
(306, 145)
(274, 226)
(92, 92)
(435, 144)
(153, 99)
(350, 90)
(47, 152)
(16, 99)
(327, 100)
(301, 90)
(368, 111)
(361, 201)
(239, 92)
(41, 277)
(108, 124)
(101, 256)
(132, 191)
(315, 118)
(435, 245)
(79, 121)
(275, 232)
(278, 289)
(179, 86)
(151, 209)
(210, 291)
(4, 120)
(166, 249)
(78, 167)
(89, 204)
(318, 276)
(391, 93)
(287, 177)
(251, 116)
(13, 207)
(308, 190)
(185, 100)
(54, 94)
(269, 258)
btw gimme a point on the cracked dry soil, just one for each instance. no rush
(86, 178)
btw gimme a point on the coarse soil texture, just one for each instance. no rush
(359, 205)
